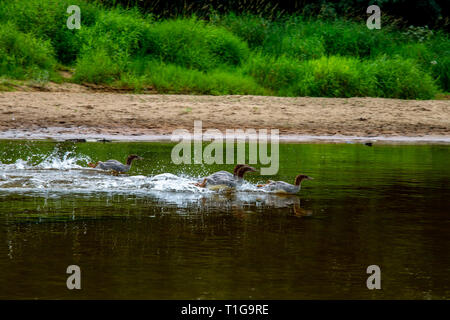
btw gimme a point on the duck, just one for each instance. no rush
(284, 187)
(225, 179)
(114, 165)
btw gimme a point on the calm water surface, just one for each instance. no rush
(151, 236)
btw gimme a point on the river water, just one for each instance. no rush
(152, 234)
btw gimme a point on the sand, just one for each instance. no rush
(115, 114)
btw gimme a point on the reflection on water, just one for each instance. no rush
(158, 236)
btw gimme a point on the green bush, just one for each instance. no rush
(302, 48)
(229, 54)
(311, 37)
(97, 66)
(346, 38)
(108, 45)
(23, 56)
(419, 52)
(47, 20)
(440, 71)
(275, 73)
(335, 77)
(328, 77)
(439, 45)
(342, 77)
(118, 31)
(431, 55)
(170, 78)
(252, 29)
(284, 37)
(401, 78)
(194, 44)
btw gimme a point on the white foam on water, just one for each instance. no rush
(69, 161)
(55, 177)
(66, 174)
(20, 164)
(173, 183)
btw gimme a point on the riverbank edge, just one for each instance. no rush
(167, 138)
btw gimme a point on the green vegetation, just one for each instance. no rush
(22, 55)
(223, 54)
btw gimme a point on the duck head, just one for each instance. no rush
(132, 157)
(236, 169)
(300, 178)
(243, 170)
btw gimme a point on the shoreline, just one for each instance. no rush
(154, 117)
(53, 134)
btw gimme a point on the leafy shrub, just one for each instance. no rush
(193, 44)
(439, 45)
(335, 77)
(288, 56)
(106, 46)
(348, 38)
(401, 78)
(419, 34)
(170, 78)
(22, 55)
(342, 77)
(275, 73)
(252, 29)
(302, 48)
(97, 66)
(440, 71)
(120, 32)
(47, 20)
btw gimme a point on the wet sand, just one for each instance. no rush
(150, 117)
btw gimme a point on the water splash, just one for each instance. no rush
(69, 160)
(67, 172)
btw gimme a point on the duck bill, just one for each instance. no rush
(309, 178)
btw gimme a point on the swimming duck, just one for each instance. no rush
(225, 179)
(284, 187)
(114, 165)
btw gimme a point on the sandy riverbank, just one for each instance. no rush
(84, 114)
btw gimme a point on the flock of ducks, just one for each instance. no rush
(217, 180)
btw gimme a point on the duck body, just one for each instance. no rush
(225, 179)
(221, 179)
(282, 187)
(114, 165)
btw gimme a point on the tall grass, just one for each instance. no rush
(226, 54)
(342, 77)
(171, 78)
(46, 19)
(305, 38)
(400, 78)
(22, 56)
(433, 56)
(194, 44)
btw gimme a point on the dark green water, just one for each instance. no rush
(136, 238)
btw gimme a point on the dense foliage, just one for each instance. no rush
(433, 13)
(293, 55)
